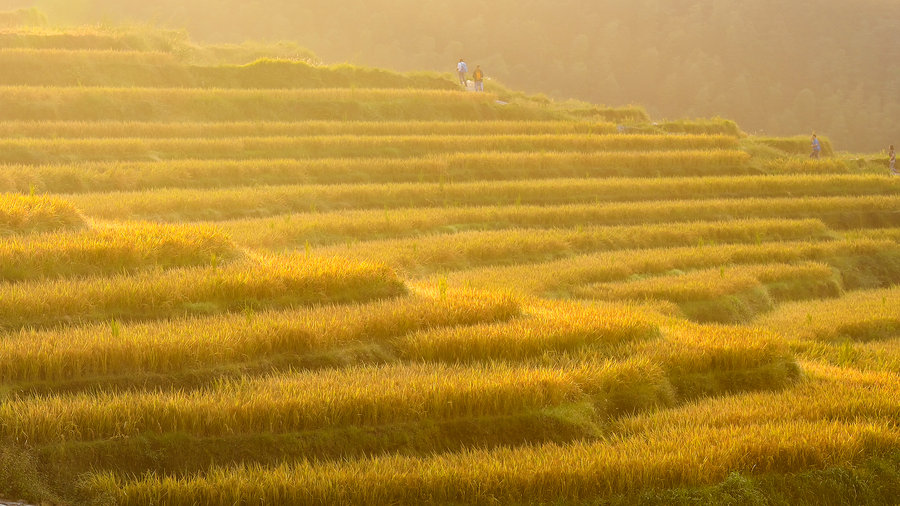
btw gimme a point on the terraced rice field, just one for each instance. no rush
(219, 285)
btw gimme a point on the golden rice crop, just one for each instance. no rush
(285, 199)
(336, 146)
(22, 57)
(438, 252)
(709, 283)
(314, 400)
(876, 233)
(136, 129)
(862, 316)
(132, 352)
(875, 355)
(75, 67)
(22, 215)
(111, 250)
(146, 130)
(576, 472)
(565, 274)
(265, 282)
(343, 226)
(799, 145)
(23, 103)
(170, 346)
(702, 359)
(687, 348)
(545, 328)
(701, 126)
(462, 167)
(100, 38)
(317, 95)
(806, 166)
(825, 393)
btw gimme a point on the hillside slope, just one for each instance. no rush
(775, 67)
(288, 283)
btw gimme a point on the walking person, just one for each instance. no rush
(462, 69)
(816, 148)
(893, 157)
(478, 76)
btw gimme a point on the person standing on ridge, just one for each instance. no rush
(462, 69)
(893, 158)
(478, 76)
(816, 147)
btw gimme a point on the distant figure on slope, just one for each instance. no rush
(816, 148)
(893, 157)
(478, 76)
(462, 69)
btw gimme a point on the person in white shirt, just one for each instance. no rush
(462, 69)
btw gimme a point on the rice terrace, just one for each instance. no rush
(227, 279)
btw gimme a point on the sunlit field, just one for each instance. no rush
(286, 283)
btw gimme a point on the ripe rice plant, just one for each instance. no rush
(732, 294)
(584, 471)
(799, 145)
(249, 280)
(113, 129)
(253, 283)
(24, 215)
(27, 151)
(120, 68)
(423, 195)
(876, 233)
(99, 38)
(135, 350)
(247, 129)
(437, 253)
(878, 355)
(546, 328)
(702, 126)
(111, 250)
(704, 360)
(321, 399)
(858, 316)
(825, 393)
(708, 283)
(562, 275)
(806, 166)
(40, 58)
(457, 168)
(23, 103)
(347, 226)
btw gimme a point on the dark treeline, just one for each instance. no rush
(776, 67)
